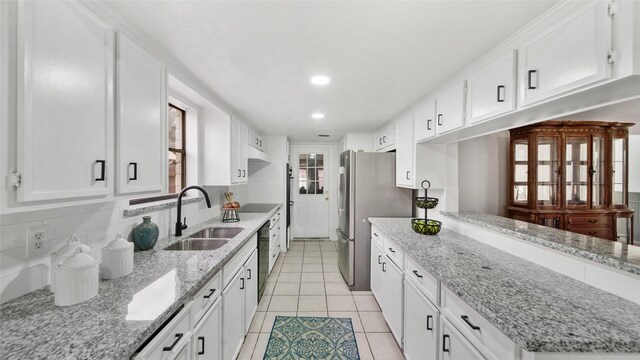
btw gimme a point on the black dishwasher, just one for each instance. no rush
(263, 258)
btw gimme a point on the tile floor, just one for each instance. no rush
(305, 281)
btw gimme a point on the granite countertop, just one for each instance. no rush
(539, 309)
(126, 311)
(615, 254)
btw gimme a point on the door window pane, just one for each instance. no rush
(619, 157)
(177, 154)
(520, 171)
(597, 172)
(576, 173)
(547, 171)
(311, 174)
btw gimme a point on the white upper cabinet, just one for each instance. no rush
(450, 108)
(491, 91)
(141, 117)
(567, 56)
(385, 139)
(405, 152)
(239, 161)
(65, 102)
(425, 121)
(255, 140)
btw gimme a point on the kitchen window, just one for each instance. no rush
(311, 174)
(177, 168)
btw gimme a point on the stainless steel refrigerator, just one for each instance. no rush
(367, 189)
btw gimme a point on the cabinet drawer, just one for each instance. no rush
(485, 337)
(590, 221)
(603, 233)
(394, 253)
(376, 236)
(170, 340)
(274, 219)
(273, 256)
(232, 267)
(424, 281)
(205, 297)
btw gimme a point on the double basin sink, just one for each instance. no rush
(206, 239)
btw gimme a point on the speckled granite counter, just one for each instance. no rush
(617, 255)
(114, 324)
(540, 310)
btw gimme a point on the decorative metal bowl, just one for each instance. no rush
(426, 202)
(426, 227)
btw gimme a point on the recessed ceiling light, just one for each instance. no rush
(320, 80)
(317, 115)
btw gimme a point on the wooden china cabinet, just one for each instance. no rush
(572, 175)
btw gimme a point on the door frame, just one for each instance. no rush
(330, 182)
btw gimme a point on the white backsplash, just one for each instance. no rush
(94, 224)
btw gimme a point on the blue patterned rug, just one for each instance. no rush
(313, 338)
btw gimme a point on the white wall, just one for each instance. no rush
(482, 170)
(634, 163)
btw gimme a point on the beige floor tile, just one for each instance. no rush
(256, 323)
(283, 303)
(311, 268)
(247, 348)
(383, 346)
(276, 269)
(353, 315)
(330, 261)
(312, 303)
(337, 288)
(373, 322)
(366, 303)
(263, 305)
(291, 268)
(361, 293)
(312, 313)
(270, 317)
(341, 303)
(273, 278)
(312, 277)
(284, 288)
(312, 288)
(268, 288)
(261, 346)
(363, 347)
(329, 253)
(328, 268)
(315, 253)
(333, 277)
(293, 260)
(289, 277)
(295, 253)
(312, 260)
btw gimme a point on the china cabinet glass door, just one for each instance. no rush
(619, 176)
(547, 171)
(520, 171)
(576, 174)
(597, 171)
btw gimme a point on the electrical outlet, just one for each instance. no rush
(36, 240)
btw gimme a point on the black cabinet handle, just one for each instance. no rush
(242, 286)
(445, 347)
(201, 351)
(500, 93)
(593, 221)
(249, 277)
(391, 249)
(239, 173)
(384, 139)
(103, 164)
(429, 322)
(175, 342)
(379, 259)
(440, 119)
(257, 141)
(415, 272)
(529, 77)
(384, 269)
(376, 234)
(429, 124)
(211, 292)
(260, 142)
(135, 170)
(408, 175)
(244, 173)
(380, 141)
(466, 319)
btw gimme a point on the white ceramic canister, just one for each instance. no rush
(76, 279)
(64, 252)
(117, 259)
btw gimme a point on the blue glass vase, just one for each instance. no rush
(146, 234)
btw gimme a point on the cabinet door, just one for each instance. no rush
(491, 91)
(252, 138)
(377, 279)
(65, 102)
(454, 346)
(233, 316)
(450, 109)
(251, 289)
(420, 325)
(405, 152)
(141, 111)
(393, 297)
(236, 144)
(185, 352)
(568, 56)
(425, 121)
(207, 336)
(243, 151)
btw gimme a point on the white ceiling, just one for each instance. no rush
(382, 57)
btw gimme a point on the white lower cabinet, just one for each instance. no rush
(250, 290)
(233, 316)
(421, 325)
(206, 335)
(376, 272)
(393, 294)
(185, 352)
(455, 346)
(172, 342)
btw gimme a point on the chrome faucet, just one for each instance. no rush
(181, 226)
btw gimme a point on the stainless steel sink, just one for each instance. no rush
(197, 244)
(216, 233)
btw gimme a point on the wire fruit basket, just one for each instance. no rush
(426, 226)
